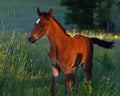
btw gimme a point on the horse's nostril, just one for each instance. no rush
(31, 39)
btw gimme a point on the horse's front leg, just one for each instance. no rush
(55, 73)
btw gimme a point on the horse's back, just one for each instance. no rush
(82, 39)
(78, 36)
(85, 46)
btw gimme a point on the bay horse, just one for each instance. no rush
(66, 53)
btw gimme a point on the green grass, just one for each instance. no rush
(21, 69)
(25, 69)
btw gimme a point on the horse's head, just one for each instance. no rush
(42, 25)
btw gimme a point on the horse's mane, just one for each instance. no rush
(60, 26)
(46, 15)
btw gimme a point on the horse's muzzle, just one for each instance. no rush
(32, 39)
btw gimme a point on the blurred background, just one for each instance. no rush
(25, 68)
(19, 15)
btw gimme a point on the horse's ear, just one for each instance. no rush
(38, 12)
(50, 12)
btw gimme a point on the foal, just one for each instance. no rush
(66, 53)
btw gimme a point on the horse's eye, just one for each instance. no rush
(42, 25)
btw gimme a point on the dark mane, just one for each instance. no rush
(60, 26)
(46, 15)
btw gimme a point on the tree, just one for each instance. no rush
(88, 13)
(103, 11)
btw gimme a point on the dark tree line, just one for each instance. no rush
(88, 14)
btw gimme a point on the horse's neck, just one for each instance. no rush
(57, 37)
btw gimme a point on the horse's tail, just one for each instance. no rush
(102, 43)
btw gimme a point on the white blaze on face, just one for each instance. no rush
(38, 21)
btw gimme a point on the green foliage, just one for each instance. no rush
(79, 11)
(103, 12)
(20, 66)
(88, 13)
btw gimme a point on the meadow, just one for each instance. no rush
(25, 68)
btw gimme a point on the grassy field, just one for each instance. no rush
(25, 69)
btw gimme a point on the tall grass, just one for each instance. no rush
(25, 69)
(21, 64)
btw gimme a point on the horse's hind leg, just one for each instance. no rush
(87, 71)
(87, 68)
(55, 72)
(75, 77)
(75, 80)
